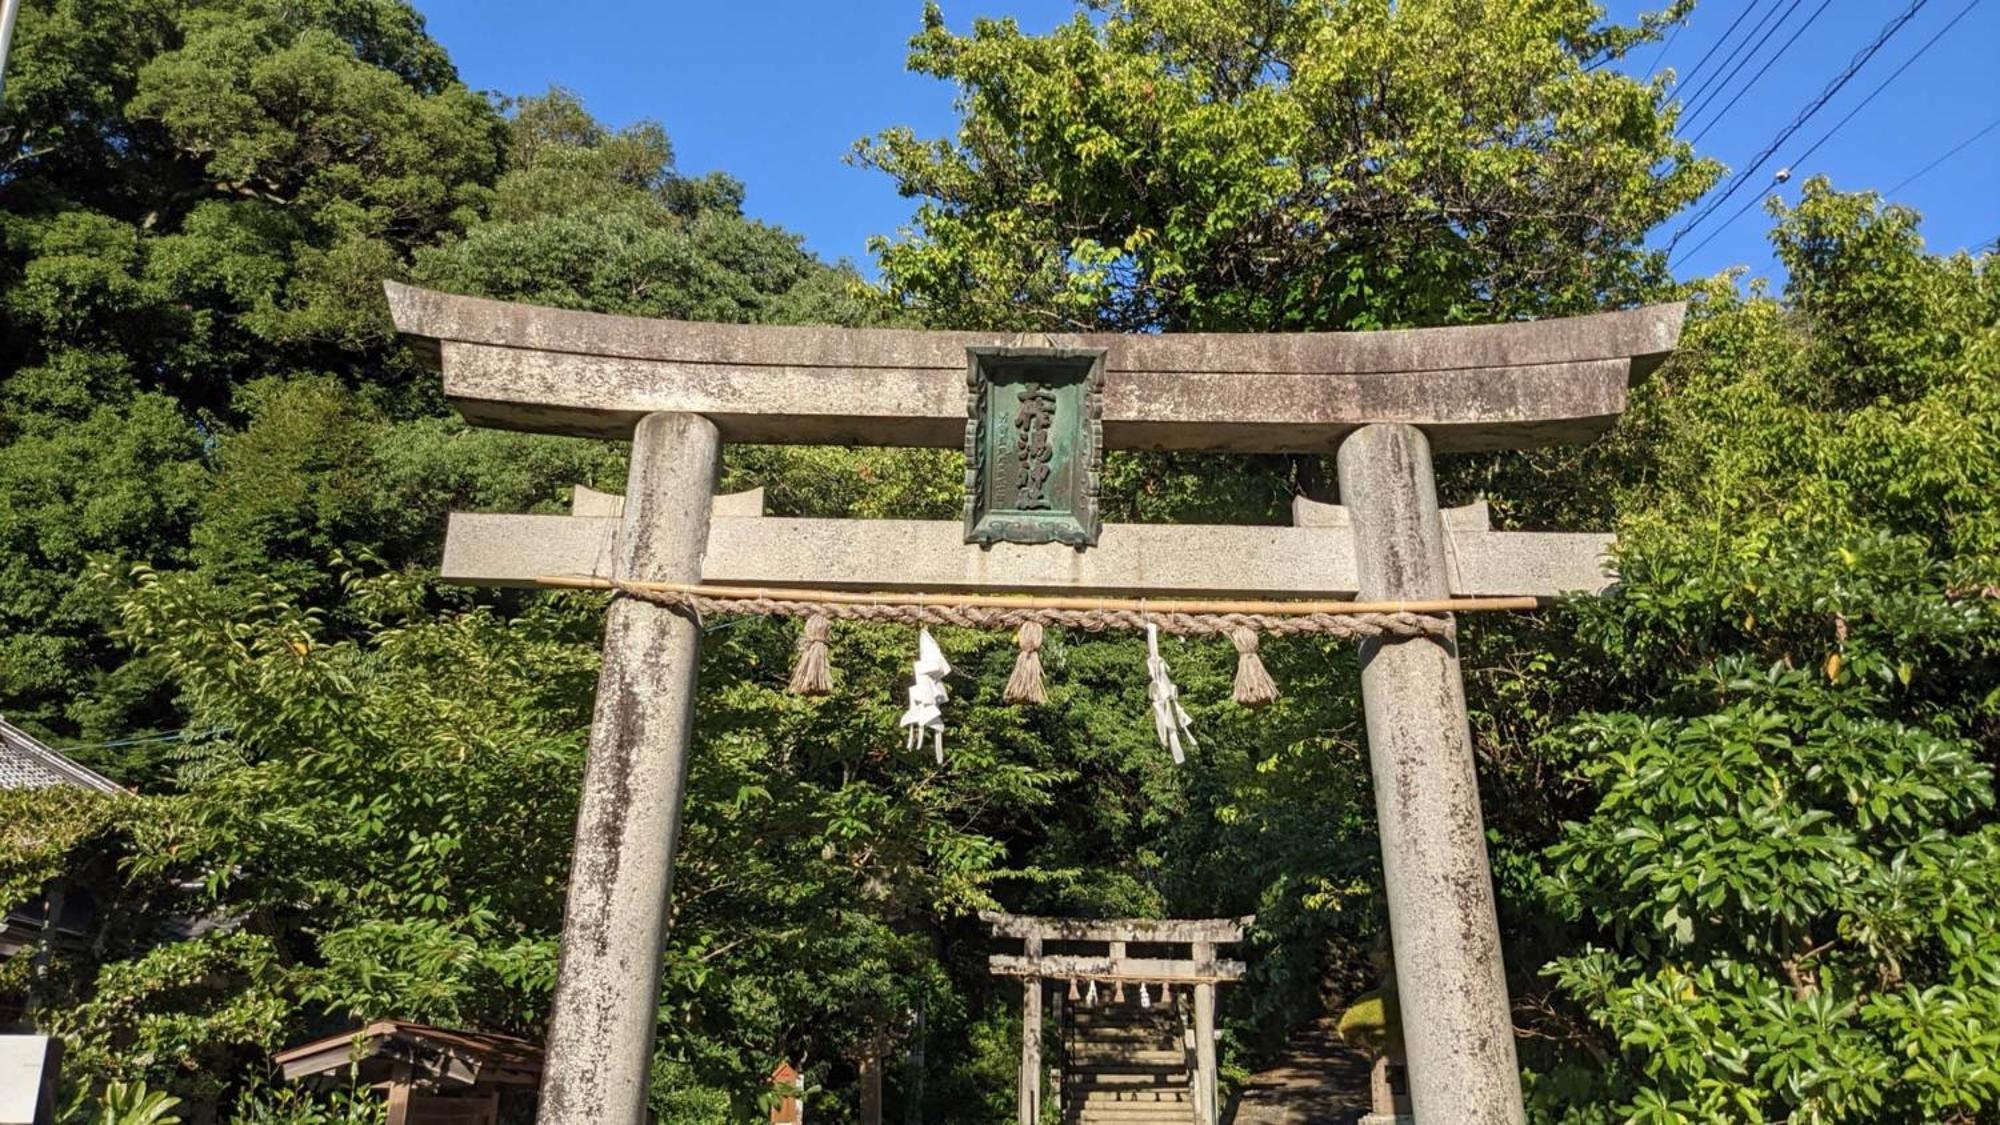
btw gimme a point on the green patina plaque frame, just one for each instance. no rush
(1034, 445)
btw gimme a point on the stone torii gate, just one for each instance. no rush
(1382, 401)
(1200, 970)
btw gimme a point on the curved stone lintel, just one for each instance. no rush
(1511, 385)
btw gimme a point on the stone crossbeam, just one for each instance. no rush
(1130, 560)
(1489, 387)
(1138, 931)
(1056, 966)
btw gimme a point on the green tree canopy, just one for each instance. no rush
(1271, 165)
(1775, 780)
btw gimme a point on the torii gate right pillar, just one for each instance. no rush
(1458, 1030)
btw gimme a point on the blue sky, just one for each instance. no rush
(776, 92)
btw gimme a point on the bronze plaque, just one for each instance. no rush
(1034, 444)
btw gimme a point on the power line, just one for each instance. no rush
(1698, 98)
(1863, 104)
(1723, 113)
(1680, 25)
(182, 735)
(1826, 95)
(1949, 153)
(1825, 137)
(1717, 45)
(1705, 91)
(1884, 84)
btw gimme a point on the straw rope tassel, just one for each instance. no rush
(1254, 687)
(812, 673)
(1025, 685)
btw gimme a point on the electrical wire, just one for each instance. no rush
(1653, 67)
(182, 735)
(1884, 84)
(1705, 91)
(1723, 113)
(1824, 137)
(1826, 95)
(1717, 45)
(1861, 105)
(1948, 154)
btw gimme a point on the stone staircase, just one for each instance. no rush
(1322, 1080)
(1127, 1065)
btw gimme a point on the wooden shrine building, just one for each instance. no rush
(430, 1075)
(1134, 1007)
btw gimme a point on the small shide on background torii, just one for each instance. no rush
(1033, 413)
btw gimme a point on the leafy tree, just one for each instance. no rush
(1189, 165)
(1271, 165)
(1782, 843)
(588, 218)
(197, 196)
(199, 379)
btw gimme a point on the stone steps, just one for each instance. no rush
(1162, 1110)
(1320, 1081)
(1134, 1112)
(1125, 1073)
(1127, 1066)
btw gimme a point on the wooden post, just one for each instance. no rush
(1204, 1040)
(913, 1086)
(871, 1083)
(791, 1087)
(1031, 1042)
(600, 1047)
(399, 1095)
(1057, 1068)
(1452, 985)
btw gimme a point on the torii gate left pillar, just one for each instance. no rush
(629, 819)
(681, 389)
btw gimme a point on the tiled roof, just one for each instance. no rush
(26, 763)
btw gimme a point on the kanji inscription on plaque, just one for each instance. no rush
(1034, 444)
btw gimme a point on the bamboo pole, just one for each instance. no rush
(1034, 601)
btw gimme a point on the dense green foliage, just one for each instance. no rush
(1742, 811)
(1783, 856)
(1256, 165)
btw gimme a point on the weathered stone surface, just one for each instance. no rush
(1476, 516)
(1206, 1109)
(1134, 930)
(1457, 1025)
(1064, 966)
(1487, 387)
(728, 505)
(1130, 560)
(601, 1026)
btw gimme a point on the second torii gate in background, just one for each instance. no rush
(1383, 401)
(1199, 969)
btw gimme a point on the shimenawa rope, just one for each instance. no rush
(1356, 625)
(1241, 622)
